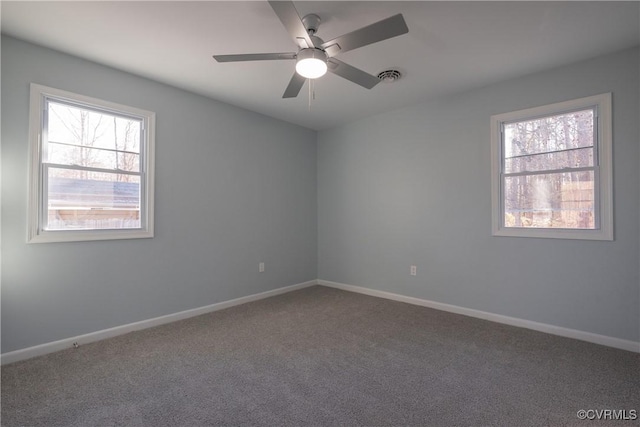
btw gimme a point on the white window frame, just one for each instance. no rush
(603, 169)
(35, 232)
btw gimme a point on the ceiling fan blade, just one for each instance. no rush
(296, 83)
(289, 17)
(381, 30)
(254, 57)
(353, 74)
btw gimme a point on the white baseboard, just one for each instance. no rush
(50, 347)
(513, 321)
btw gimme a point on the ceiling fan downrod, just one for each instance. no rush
(311, 22)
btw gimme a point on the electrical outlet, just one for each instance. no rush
(413, 270)
(261, 267)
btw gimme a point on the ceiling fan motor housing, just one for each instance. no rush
(312, 53)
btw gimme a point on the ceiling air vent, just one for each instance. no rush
(389, 76)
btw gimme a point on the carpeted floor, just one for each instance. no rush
(321, 356)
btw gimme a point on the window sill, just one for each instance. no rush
(554, 234)
(91, 235)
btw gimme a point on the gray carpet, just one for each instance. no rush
(321, 356)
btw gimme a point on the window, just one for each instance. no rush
(551, 171)
(91, 171)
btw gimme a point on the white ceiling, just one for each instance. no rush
(450, 47)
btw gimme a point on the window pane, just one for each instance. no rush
(82, 127)
(558, 200)
(572, 158)
(83, 200)
(548, 134)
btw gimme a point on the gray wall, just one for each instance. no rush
(413, 187)
(233, 188)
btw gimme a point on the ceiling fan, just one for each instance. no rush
(315, 56)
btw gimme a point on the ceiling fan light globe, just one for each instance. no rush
(311, 68)
(312, 63)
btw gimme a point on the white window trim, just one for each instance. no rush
(604, 202)
(35, 234)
